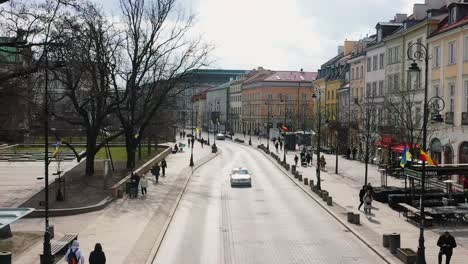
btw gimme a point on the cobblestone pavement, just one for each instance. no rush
(344, 187)
(127, 228)
(272, 222)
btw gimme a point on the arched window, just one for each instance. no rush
(463, 153)
(436, 150)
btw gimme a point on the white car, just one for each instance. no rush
(220, 136)
(241, 177)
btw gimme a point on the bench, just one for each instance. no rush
(61, 246)
(416, 213)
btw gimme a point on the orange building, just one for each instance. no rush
(277, 98)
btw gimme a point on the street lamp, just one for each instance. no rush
(284, 125)
(193, 141)
(317, 171)
(268, 124)
(250, 124)
(421, 53)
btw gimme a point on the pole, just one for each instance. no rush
(318, 142)
(421, 248)
(337, 140)
(250, 123)
(47, 257)
(284, 138)
(193, 142)
(268, 126)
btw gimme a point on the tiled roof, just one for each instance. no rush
(444, 26)
(291, 76)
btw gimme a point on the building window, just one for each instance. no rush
(368, 64)
(410, 47)
(368, 89)
(390, 56)
(417, 114)
(381, 88)
(437, 57)
(466, 95)
(390, 82)
(362, 71)
(452, 52)
(374, 89)
(436, 90)
(352, 73)
(419, 41)
(465, 49)
(375, 63)
(396, 81)
(396, 53)
(452, 97)
(381, 60)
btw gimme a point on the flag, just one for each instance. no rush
(285, 129)
(405, 157)
(425, 157)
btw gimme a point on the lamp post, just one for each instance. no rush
(421, 53)
(250, 124)
(284, 125)
(193, 141)
(268, 125)
(319, 112)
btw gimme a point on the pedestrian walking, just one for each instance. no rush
(143, 185)
(296, 159)
(368, 202)
(244, 133)
(348, 153)
(193, 141)
(97, 256)
(281, 145)
(188, 141)
(323, 163)
(371, 189)
(180, 134)
(74, 254)
(308, 159)
(163, 167)
(362, 192)
(183, 134)
(155, 171)
(276, 146)
(354, 153)
(446, 243)
(135, 181)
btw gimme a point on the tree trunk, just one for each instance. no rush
(130, 147)
(148, 147)
(91, 138)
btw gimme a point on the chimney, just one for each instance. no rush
(399, 18)
(340, 49)
(348, 47)
(260, 68)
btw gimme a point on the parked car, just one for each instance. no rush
(241, 177)
(220, 136)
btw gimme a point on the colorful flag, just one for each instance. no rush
(57, 149)
(425, 157)
(405, 157)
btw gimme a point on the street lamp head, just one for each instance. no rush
(414, 68)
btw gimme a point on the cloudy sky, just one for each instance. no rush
(284, 34)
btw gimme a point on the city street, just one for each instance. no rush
(272, 222)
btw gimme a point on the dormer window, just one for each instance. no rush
(453, 15)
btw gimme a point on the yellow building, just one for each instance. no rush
(448, 46)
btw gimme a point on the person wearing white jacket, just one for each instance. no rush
(143, 184)
(75, 248)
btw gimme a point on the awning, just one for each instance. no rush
(400, 147)
(386, 141)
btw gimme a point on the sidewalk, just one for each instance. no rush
(344, 188)
(127, 228)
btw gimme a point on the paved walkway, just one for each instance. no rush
(344, 188)
(128, 228)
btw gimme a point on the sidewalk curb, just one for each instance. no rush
(162, 234)
(329, 211)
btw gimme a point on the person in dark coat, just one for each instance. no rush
(193, 141)
(348, 153)
(183, 134)
(308, 159)
(155, 171)
(296, 159)
(188, 140)
(354, 153)
(362, 192)
(97, 256)
(446, 243)
(202, 141)
(276, 146)
(163, 167)
(281, 145)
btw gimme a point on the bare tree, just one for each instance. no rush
(159, 52)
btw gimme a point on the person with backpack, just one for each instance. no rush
(97, 256)
(163, 167)
(74, 254)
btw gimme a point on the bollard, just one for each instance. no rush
(306, 181)
(314, 188)
(329, 200)
(350, 217)
(296, 174)
(299, 177)
(51, 231)
(5, 257)
(293, 168)
(5, 232)
(356, 219)
(394, 242)
(386, 240)
(324, 195)
(311, 182)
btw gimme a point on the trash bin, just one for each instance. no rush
(394, 242)
(385, 240)
(5, 257)
(357, 219)
(350, 217)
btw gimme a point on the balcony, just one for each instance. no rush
(464, 119)
(449, 118)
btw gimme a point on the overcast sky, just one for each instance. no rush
(284, 34)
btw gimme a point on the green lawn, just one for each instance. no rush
(120, 153)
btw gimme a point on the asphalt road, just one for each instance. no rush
(272, 222)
